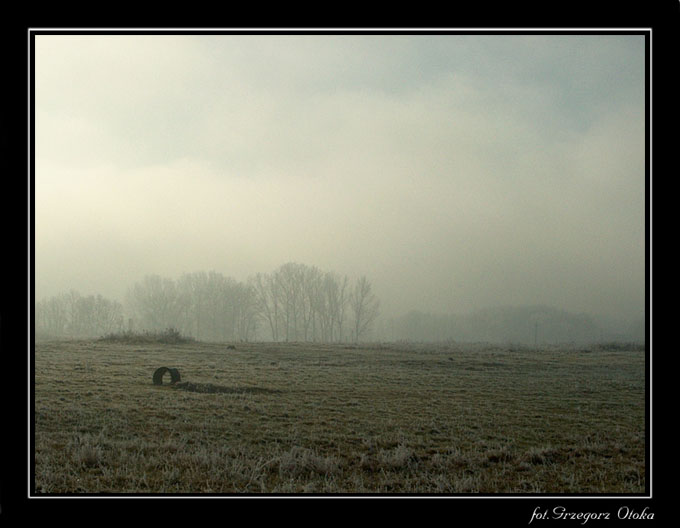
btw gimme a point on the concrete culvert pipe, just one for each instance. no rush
(160, 372)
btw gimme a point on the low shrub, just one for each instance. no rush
(170, 336)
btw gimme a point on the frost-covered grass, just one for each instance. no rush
(305, 418)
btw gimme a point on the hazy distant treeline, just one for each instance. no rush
(302, 303)
(76, 315)
(520, 324)
(295, 302)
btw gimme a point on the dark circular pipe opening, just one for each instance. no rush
(160, 372)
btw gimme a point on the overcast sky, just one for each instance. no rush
(456, 172)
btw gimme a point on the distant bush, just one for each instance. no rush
(170, 336)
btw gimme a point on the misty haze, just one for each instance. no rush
(310, 229)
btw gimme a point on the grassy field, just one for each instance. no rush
(325, 419)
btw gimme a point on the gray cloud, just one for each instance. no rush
(456, 171)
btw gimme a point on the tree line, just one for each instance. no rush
(71, 314)
(517, 324)
(295, 302)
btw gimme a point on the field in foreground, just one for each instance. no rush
(310, 418)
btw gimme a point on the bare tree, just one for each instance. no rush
(288, 278)
(216, 307)
(192, 287)
(339, 300)
(365, 308)
(310, 291)
(301, 302)
(330, 305)
(246, 311)
(268, 301)
(78, 316)
(157, 303)
(52, 315)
